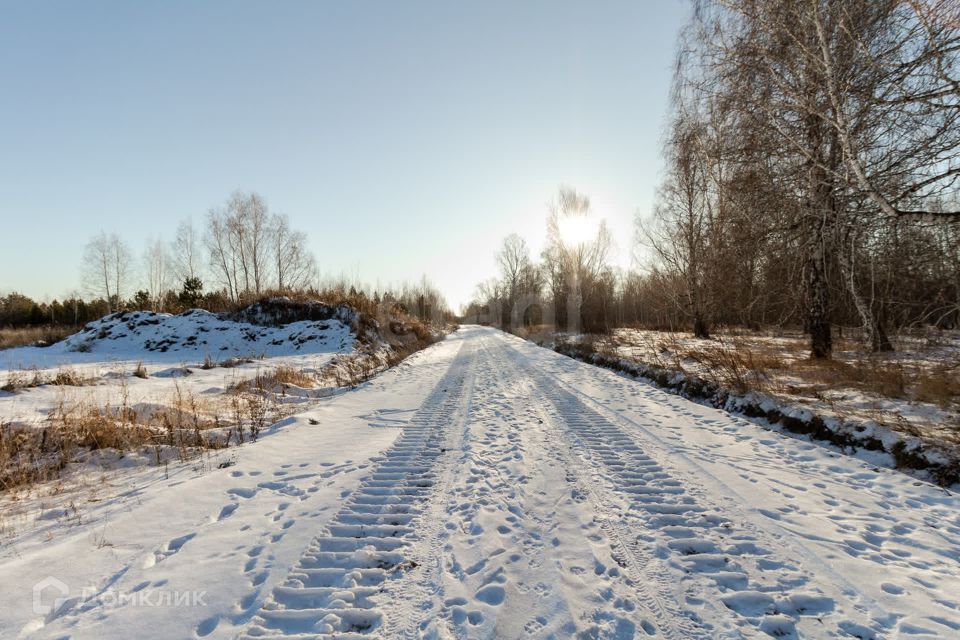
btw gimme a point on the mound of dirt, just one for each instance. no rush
(269, 328)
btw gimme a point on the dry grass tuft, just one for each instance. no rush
(27, 456)
(72, 430)
(295, 377)
(876, 376)
(741, 364)
(940, 386)
(748, 362)
(29, 378)
(274, 380)
(71, 378)
(230, 363)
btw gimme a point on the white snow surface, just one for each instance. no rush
(172, 350)
(834, 401)
(489, 488)
(191, 335)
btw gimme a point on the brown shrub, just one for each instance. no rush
(275, 379)
(26, 379)
(291, 376)
(940, 386)
(34, 336)
(70, 378)
(229, 363)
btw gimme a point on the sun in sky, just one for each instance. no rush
(577, 229)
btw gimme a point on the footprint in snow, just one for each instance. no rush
(172, 547)
(226, 512)
(492, 594)
(207, 626)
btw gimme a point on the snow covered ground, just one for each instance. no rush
(490, 488)
(172, 351)
(146, 371)
(911, 390)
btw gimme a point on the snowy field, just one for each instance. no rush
(193, 373)
(182, 354)
(489, 488)
(914, 389)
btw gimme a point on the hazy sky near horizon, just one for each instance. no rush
(405, 138)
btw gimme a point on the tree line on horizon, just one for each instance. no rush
(812, 165)
(242, 254)
(243, 251)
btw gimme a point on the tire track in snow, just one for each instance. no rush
(765, 590)
(672, 621)
(411, 597)
(336, 590)
(873, 621)
(519, 556)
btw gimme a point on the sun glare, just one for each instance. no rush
(577, 229)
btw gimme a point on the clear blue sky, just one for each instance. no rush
(403, 137)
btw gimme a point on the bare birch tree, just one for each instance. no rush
(576, 262)
(106, 268)
(157, 271)
(852, 109)
(223, 257)
(252, 251)
(186, 252)
(294, 265)
(679, 231)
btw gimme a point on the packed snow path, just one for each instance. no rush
(488, 488)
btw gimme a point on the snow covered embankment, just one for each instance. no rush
(885, 446)
(258, 330)
(147, 388)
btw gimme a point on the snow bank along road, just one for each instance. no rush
(488, 488)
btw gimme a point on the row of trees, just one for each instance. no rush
(813, 161)
(244, 250)
(421, 300)
(18, 310)
(812, 166)
(242, 253)
(572, 286)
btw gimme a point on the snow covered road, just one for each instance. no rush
(488, 488)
